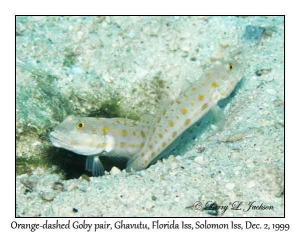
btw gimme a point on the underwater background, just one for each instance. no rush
(109, 66)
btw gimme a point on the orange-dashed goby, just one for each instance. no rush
(94, 137)
(192, 104)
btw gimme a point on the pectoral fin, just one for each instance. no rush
(94, 165)
(219, 116)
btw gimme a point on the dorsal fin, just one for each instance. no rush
(126, 121)
(146, 119)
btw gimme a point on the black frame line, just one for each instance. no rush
(207, 217)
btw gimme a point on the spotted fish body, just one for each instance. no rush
(216, 84)
(94, 137)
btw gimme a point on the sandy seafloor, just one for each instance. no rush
(241, 162)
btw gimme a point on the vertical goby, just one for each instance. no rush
(215, 84)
